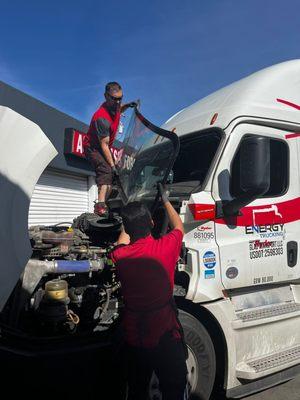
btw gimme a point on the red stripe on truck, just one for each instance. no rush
(288, 103)
(292, 135)
(268, 214)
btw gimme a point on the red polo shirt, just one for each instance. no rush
(146, 271)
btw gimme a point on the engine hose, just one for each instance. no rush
(65, 266)
(36, 269)
(73, 317)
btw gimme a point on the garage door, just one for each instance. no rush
(58, 197)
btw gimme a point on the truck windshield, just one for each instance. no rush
(146, 155)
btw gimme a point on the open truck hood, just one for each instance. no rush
(147, 154)
(24, 153)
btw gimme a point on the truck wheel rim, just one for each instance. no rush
(154, 391)
(192, 367)
(192, 376)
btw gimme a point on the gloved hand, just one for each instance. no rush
(115, 171)
(133, 104)
(164, 194)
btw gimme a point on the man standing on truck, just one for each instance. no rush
(152, 332)
(100, 137)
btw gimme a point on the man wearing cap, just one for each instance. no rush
(100, 137)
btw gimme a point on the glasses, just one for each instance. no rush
(116, 99)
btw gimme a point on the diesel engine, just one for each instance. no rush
(69, 285)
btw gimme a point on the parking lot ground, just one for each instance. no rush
(89, 377)
(286, 391)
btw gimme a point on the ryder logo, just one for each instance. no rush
(204, 228)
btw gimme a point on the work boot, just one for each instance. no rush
(100, 209)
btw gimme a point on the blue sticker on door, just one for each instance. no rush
(209, 274)
(209, 259)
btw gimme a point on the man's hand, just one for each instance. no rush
(124, 238)
(115, 171)
(174, 219)
(164, 194)
(132, 104)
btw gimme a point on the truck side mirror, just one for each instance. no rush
(254, 172)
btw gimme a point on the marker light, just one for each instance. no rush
(214, 118)
(203, 211)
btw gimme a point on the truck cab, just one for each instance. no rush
(242, 228)
(231, 164)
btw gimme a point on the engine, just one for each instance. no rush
(69, 286)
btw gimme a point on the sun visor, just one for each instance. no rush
(24, 153)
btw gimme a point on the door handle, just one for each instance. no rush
(292, 253)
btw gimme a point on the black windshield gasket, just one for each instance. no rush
(176, 145)
(161, 132)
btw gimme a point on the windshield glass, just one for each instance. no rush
(146, 155)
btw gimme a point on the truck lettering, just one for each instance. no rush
(249, 230)
(259, 249)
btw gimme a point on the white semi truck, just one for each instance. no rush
(233, 171)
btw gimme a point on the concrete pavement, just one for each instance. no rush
(286, 391)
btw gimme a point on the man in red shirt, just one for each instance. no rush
(153, 334)
(100, 137)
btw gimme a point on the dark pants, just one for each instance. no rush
(167, 360)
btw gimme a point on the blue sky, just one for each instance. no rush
(168, 53)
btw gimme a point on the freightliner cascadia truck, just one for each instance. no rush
(231, 163)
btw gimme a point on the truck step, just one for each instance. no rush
(256, 368)
(265, 314)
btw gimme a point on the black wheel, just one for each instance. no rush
(201, 362)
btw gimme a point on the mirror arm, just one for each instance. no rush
(224, 208)
(232, 207)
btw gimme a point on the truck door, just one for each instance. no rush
(260, 245)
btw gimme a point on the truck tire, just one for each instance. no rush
(201, 362)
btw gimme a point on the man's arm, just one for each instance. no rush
(174, 218)
(124, 238)
(104, 144)
(102, 126)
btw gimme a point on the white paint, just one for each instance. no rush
(25, 153)
(255, 95)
